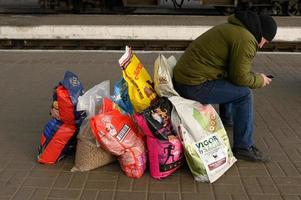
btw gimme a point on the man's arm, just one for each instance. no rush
(239, 71)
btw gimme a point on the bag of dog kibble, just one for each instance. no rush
(117, 134)
(140, 85)
(121, 97)
(165, 151)
(59, 135)
(89, 155)
(206, 144)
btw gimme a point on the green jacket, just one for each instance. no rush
(225, 51)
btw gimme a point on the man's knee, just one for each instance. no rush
(247, 93)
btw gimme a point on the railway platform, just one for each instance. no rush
(26, 82)
(125, 27)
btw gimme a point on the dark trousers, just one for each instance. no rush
(235, 103)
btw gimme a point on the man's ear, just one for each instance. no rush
(262, 42)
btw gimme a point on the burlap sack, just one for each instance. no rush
(89, 155)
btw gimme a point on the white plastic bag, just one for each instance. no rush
(163, 73)
(93, 97)
(89, 155)
(206, 144)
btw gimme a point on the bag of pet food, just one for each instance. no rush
(57, 141)
(65, 98)
(206, 144)
(140, 85)
(117, 134)
(89, 155)
(163, 73)
(165, 151)
(121, 97)
(59, 136)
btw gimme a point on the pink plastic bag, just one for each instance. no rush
(165, 150)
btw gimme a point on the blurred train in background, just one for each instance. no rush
(272, 7)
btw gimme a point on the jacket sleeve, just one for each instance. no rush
(239, 69)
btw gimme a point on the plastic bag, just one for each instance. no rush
(117, 134)
(140, 85)
(92, 99)
(206, 144)
(165, 151)
(121, 97)
(163, 73)
(89, 155)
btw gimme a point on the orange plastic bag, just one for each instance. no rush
(117, 134)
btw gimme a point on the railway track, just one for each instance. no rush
(148, 45)
(125, 11)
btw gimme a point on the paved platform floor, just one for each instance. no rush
(26, 82)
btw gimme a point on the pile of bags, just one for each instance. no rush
(144, 123)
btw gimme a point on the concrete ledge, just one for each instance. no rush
(129, 32)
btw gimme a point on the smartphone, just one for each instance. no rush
(270, 76)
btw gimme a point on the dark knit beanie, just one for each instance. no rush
(251, 21)
(268, 27)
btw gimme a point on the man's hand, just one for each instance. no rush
(266, 80)
(55, 113)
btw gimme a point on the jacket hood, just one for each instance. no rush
(251, 21)
(233, 20)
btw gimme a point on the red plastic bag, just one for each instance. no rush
(57, 140)
(117, 134)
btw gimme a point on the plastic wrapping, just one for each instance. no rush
(89, 155)
(163, 73)
(117, 134)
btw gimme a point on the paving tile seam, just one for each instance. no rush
(260, 184)
(115, 188)
(284, 174)
(84, 186)
(51, 186)
(242, 185)
(179, 184)
(275, 184)
(20, 185)
(287, 122)
(270, 129)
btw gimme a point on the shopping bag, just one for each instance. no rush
(163, 73)
(206, 144)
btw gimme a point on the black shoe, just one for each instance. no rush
(252, 154)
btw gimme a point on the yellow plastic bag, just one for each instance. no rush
(140, 85)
